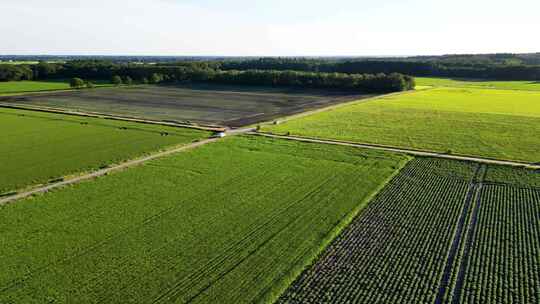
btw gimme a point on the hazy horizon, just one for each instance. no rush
(240, 28)
(255, 56)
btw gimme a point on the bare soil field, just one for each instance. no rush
(230, 106)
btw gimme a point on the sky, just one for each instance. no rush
(268, 28)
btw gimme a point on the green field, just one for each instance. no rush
(36, 146)
(440, 232)
(480, 84)
(228, 222)
(501, 124)
(395, 250)
(510, 175)
(14, 87)
(503, 262)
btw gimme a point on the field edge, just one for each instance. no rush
(285, 118)
(279, 288)
(35, 91)
(90, 114)
(113, 165)
(409, 151)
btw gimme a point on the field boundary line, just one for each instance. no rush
(276, 290)
(463, 263)
(413, 152)
(370, 97)
(102, 172)
(453, 258)
(18, 106)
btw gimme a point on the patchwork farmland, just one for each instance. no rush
(254, 219)
(230, 106)
(229, 221)
(440, 232)
(300, 161)
(499, 124)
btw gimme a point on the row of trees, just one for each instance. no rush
(351, 82)
(496, 66)
(10, 72)
(346, 82)
(209, 73)
(464, 67)
(79, 83)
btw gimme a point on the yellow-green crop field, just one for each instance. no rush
(493, 123)
(480, 84)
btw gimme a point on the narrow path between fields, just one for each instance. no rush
(105, 171)
(468, 243)
(252, 131)
(401, 150)
(453, 261)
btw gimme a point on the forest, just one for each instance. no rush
(451, 66)
(360, 74)
(208, 72)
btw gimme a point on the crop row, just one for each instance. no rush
(504, 262)
(36, 147)
(396, 250)
(225, 222)
(440, 232)
(519, 177)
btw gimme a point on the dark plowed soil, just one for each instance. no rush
(229, 106)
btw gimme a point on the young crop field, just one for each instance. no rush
(491, 123)
(480, 84)
(229, 222)
(36, 147)
(395, 251)
(207, 104)
(502, 263)
(509, 175)
(440, 232)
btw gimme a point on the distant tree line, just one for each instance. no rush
(10, 72)
(481, 66)
(459, 68)
(460, 59)
(209, 72)
(470, 59)
(365, 73)
(392, 82)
